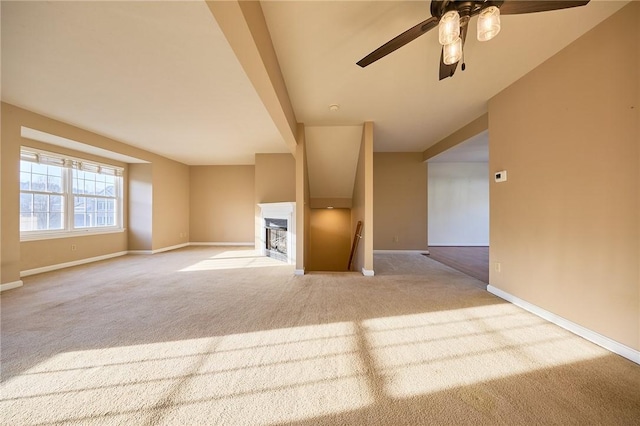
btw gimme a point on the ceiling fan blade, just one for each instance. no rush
(517, 7)
(396, 43)
(446, 70)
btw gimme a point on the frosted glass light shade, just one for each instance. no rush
(488, 23)
(449, 27)
(452, 52)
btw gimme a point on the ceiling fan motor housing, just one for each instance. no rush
(466, 8)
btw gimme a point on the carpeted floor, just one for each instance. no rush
(220, 336)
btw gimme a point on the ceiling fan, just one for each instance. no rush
(452, 17)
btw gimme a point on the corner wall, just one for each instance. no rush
(362, 209)
(222, 204)
(400, 201)
(564, 227)
(303, 210)
(140, 230)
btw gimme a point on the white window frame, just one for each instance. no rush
(68, 164)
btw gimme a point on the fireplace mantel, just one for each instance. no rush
(286, 210)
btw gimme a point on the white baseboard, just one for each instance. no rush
(458, 245)
(177, 246)
(252, 244)
(597, 338)
(400, 251)
(298, 271)
(367, 272)
(160, 250)
(11, 285)
(49, 268)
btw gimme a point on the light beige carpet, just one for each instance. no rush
(220, 336)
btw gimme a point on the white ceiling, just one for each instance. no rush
(161, 75)
(319, 43)
(156, 75)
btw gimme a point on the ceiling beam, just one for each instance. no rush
(478, 125)
(245, 28)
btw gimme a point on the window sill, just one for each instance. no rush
(69, 234)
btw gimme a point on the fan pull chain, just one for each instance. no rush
(464, 66)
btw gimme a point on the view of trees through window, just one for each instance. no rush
(50, 192)
(41, 197)
(94, 199)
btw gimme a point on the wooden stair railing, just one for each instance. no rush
(354, 246)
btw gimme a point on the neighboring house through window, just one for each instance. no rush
(61, 194)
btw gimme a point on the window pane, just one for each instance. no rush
(89, 187)
(25, 166)
(40, 203)
(77, 184)
(26, 203)
(79, 220)
(25, 180)
(100, 188)
(55, 171)
(39, 168)
(55, 220)
(91, 204)
(42, 221)
(79, 204)
(38, 182)
(54, 184)
(56, 203)
(27, 222)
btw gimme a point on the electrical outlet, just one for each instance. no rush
(395, 239)
(73, 247)
(497, 266)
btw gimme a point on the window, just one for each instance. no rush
(60, 194)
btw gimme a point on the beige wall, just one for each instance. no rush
(329, 239)
(275, 178)
(170, 196)
(37, 254)
(362, 209)
(140, 206)
(400, 201)
(275, 182)
(303, 212)
(170, 203)
(10, 170)
(222, 204)
(564, 227)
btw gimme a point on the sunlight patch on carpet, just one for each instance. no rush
(435, 351)
(240, 261)
(248, 378)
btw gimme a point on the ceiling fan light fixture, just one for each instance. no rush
(449, 27)
(452, 52)
(488, 23)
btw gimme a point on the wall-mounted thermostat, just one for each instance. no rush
(501, 176)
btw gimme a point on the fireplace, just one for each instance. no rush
(276, 238)
(277, 231)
